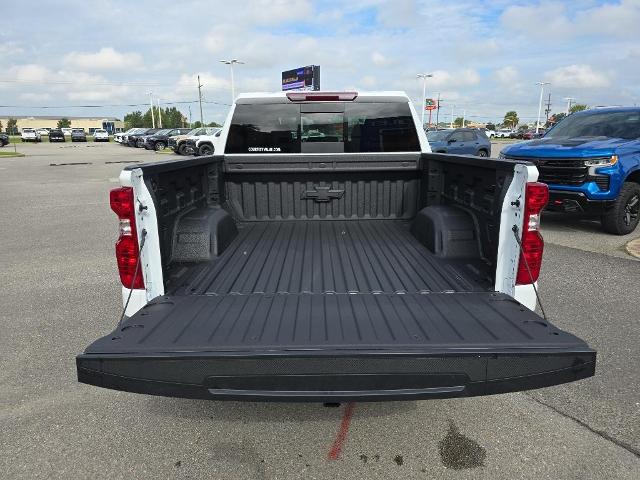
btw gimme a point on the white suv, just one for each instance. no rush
(30, 135)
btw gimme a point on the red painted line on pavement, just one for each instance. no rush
(336, 448)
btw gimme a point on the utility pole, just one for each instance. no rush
(200, 100)
(547, 110)
(231, 63)
(159, 113)
(451, 125)
(542, 84)
(190, 123)
(569, 101)
(424, 77)
(438, 111)
(153, 117)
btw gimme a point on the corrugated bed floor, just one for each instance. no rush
(368, 256)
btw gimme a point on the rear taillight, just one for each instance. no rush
(127, 250)
(536, 197)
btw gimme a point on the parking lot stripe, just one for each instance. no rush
(336, 448)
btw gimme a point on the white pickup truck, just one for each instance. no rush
(325, 254)
(30, 135)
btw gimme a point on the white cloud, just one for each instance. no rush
(35, 97)
(30, 73)
(105, 59)
(378, 59)
(577, 76)
(443, 78)
(507, 75)
(188, 84)
(273, 12)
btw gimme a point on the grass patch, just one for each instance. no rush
(9, 154)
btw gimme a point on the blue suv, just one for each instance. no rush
(462, 141)
(591, 162)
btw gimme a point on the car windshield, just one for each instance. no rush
(98, 131)
(27, 130)
(77, 130)
(440, 136)
(163, 132)
(624, 125)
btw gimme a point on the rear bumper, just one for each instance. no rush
(334, 377)
(576, 202)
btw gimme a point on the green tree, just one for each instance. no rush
(133, 120)
(490, 126)
(12, 126)
(555, 118)
(213, 124)
(578, 107)
(196, 124)
(511, 119)
(172, 118)
(458, 122)
(64, 123)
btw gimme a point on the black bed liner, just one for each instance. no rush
(355, 256)
(333, 310)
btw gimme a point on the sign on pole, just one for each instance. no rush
(430, 104)
(303, 78)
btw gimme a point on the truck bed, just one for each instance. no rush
(325, 257)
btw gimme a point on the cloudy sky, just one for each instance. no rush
(485, 56)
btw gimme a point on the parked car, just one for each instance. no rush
(66, 131)
(187, 146)
(160, 140)
(591, 162)
(120, 135)
(489, 133)
(30, 135)
(78, 135)
(206, 144)
(43, 131)
(56, 135)
(136, 139)
(100, 135)
(178, 143)
(279, 271)
(462, 141)
(504, 133)
(531, 134)
(4, 139)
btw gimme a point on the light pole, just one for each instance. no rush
(231, 63)
(569, 100)
(451, 124)
(542, 84)
(464, 115)
(159, 113)
(424, 77)
(153, 117)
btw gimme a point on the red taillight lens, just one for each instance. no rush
(536, 197)
(127, 250)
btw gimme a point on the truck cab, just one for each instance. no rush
(591, 162)
(324, 254)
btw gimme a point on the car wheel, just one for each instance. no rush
(140, 143)
(182, 149)
(624, 215)
(483, 153)
(205, 149)
(160, 146)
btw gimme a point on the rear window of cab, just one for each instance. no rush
(342, 128)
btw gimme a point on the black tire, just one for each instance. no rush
(159, 146)
(624, 215)
(483, 153)
(182, 149)
(205, 149)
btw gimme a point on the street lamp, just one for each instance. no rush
(542, 84)
(569, 100)
(231, 63)
(424, 77)
(153, 117)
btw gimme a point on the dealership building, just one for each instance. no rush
(89, 124)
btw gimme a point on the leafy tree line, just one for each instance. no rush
(171, 118)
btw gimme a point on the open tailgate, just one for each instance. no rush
(334, 347)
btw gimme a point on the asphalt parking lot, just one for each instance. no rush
(60, 291)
